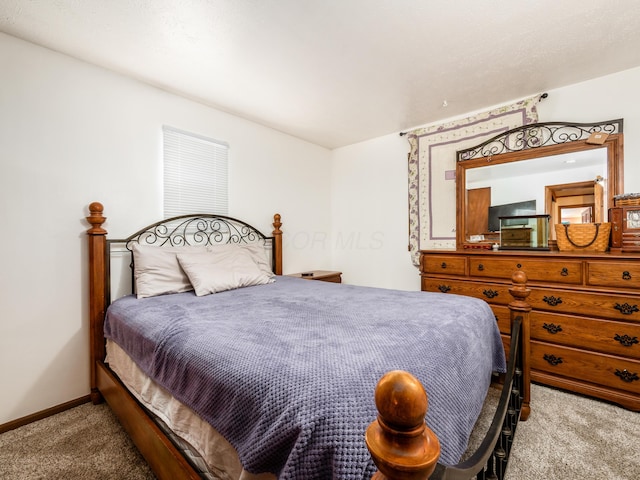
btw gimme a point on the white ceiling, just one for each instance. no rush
(336, 72)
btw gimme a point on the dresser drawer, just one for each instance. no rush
(617, 338)
(557, 271)
(614, 274)
(444, 264)
(492, 293)
(503, 317)
(597, 368)
(601, 305)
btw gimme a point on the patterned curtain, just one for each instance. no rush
(432, 166)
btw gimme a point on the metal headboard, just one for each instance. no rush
(188, 230)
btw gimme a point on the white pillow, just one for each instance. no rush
(157, 271)
(222, 269)
(256, 250)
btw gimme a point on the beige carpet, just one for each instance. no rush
(86, 442)
(571, 437)
(566, 437)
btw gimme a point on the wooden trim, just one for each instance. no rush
(277, 244)
(97, 237)
(48, 412)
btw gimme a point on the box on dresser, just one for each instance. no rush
(585, 322)
(625, 231)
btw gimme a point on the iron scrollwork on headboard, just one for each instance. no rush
(537, 135)
(191, 230)
(196, 230)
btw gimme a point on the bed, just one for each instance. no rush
(248, 374)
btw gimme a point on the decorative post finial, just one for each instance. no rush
(400, 443)
(96, 219)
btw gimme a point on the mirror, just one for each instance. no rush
(572, 182)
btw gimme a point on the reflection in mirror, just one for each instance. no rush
(556, 173)
(581, 214)
(526, 180)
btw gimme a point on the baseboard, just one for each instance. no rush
(19, 422)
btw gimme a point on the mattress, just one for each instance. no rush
(208, 451)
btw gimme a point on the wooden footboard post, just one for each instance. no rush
(97, 292)
(400, 443)
(277, 244)
(519, 307)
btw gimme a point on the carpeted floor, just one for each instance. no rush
(566, 437)
(86, 442)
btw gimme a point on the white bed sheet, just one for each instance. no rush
(215, 450)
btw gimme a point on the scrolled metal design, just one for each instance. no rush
(626, 309)
(552, 359)
(625, 340)
(200, 230)
(537, 135)
(552, 328)
(627, 376)
(552, 301)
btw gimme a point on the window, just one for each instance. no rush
(195, 173)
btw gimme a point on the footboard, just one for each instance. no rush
(403, 447)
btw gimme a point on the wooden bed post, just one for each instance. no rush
(400, 443)
(520, 307)
(277, 244)
(97, 292)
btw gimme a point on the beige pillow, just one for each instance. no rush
(256, 250)
(222, 269)
(157, 271)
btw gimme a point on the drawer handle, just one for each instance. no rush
(518, 266)
(564, 272)
(626, 340)
(443, 265)
(626, 275)
(444, 288)
(490, 293)
(480, 267)
(625, 308)
(552, 301)
(552, 328)
(626, 376)
(552, 359)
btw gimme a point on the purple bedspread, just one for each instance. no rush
(287, 371)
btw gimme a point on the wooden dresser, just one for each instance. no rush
(585, 322)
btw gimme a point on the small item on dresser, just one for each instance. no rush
(306, 274)
(583, 236)
(625, 228)
(478, 245)
(626, 199)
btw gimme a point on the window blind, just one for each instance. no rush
(195, 173)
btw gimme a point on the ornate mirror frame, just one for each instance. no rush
(541, 140)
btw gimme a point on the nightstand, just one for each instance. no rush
(322, 275)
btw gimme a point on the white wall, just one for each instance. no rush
(72, 133)
(369, 179)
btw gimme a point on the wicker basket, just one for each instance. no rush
(626, 199)
(583, 236)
